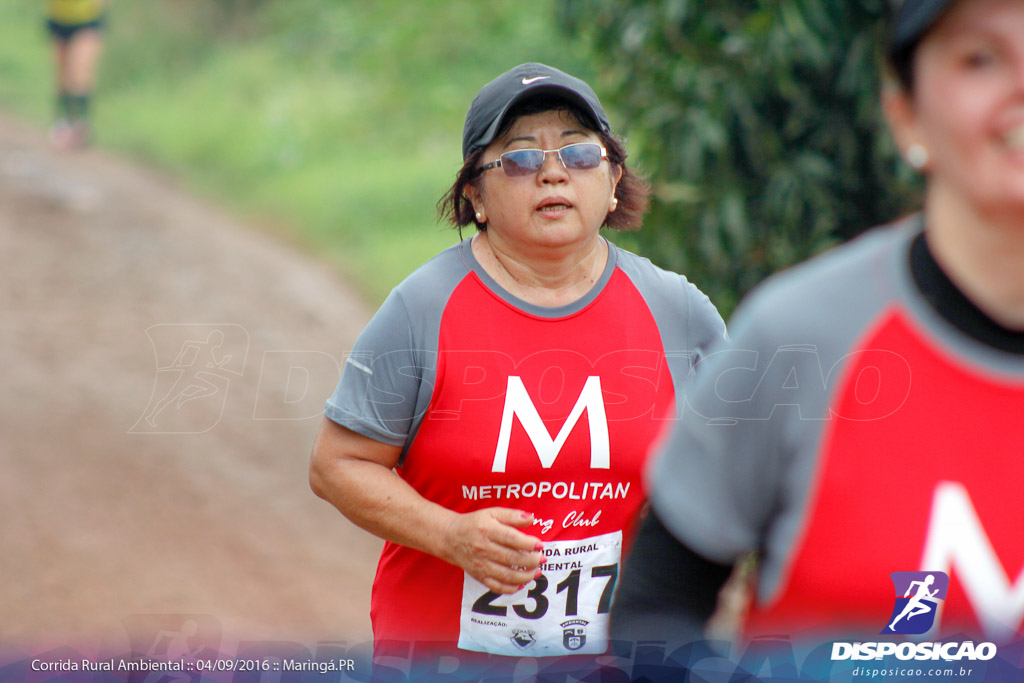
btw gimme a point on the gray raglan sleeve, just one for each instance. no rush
(736, 472)
(716, 479)
(705, 326)
(689, 323)
(382, 377)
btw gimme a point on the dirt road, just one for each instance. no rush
(163, 369)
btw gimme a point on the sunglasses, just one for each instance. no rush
(523, 162)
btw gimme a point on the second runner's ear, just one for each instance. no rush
(900, 114)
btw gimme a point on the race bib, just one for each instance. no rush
(565, 611)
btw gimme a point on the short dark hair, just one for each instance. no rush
(633, 190)
(907, 23)
(901, 65)
(898, 55)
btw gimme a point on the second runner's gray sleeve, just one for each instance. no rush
(715, 480)
(735, 474)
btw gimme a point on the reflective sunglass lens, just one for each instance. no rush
(522, 161)
(582, 155)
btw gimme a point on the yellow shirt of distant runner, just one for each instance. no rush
(72, 12)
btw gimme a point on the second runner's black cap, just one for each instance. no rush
(912, 20)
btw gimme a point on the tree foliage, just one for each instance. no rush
(758, 122)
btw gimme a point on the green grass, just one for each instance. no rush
(339, 123)
(25, 62)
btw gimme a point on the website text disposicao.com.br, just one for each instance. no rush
(949, 654)
(903, 672)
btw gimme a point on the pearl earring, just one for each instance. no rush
(615, 203)
(479, 217)
(917, 156)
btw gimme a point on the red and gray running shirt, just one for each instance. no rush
(849, 432)
(497, 402)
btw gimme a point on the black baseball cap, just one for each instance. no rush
(487, 112)
(911, 22)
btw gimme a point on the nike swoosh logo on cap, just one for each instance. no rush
(528, 81)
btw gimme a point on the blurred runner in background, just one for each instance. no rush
(76, 28)
(866, 418)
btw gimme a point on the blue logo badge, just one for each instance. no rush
(917, 601)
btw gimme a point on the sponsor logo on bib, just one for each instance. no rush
(523, 638)
(574, 633)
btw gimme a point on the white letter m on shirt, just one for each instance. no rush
(957, 541)
(518, 403)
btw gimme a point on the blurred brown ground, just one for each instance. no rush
(102, 522)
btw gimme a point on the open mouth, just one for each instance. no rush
(554, 207)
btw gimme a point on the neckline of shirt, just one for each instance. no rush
(953, 306)
(466, 250)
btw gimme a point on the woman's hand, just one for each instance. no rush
(355, 473)
(488, 545)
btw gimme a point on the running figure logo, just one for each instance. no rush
(177, 638)
(917, 601)
(195, 365)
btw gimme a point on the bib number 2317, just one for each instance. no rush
(564, 611)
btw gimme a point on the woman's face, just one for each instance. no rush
(967, 108)
(554, 207)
